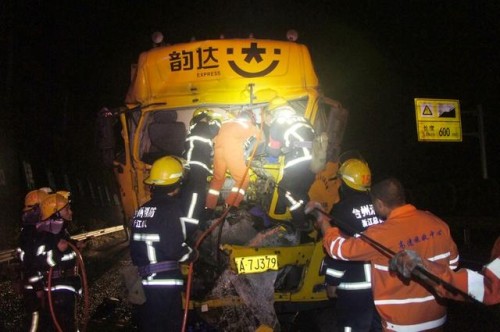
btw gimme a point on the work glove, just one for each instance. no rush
(314, 209)
(405, 262)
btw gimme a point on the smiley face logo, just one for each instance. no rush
(253, 54)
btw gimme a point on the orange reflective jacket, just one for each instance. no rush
(402, 306)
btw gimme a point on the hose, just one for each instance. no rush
(81, 267)
(219, 221)
(83, 275)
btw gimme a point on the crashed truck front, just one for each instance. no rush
(229, 75)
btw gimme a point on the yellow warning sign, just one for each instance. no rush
(438, 120)
(427, 111)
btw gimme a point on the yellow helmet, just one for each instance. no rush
(277, 102)
(53, 203)
(204, 113)
(165, 171)
(48, 190)
(64, 193)
(34, 198)
(356, 174)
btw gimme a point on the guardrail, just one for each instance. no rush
(8, 255)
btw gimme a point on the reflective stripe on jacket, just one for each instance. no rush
(406, 228)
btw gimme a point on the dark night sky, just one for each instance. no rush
(70, 58)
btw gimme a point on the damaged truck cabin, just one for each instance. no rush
(228, 75)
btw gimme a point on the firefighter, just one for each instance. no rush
(403, 306)
(292, 135)
(349, 282)
(198, 153)
(54, 252)
(158, 245)
(483, 286)
(32, 291)
(232, 143)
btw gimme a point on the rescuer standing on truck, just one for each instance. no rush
(403, 306)
(292, 135)
(54, 252)
(350, 281)
(235, 136)
(198, 153)
(158, 245)
(32, 291)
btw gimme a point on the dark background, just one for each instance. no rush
(61, 61)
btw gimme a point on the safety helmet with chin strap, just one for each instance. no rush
(204, 113)
(279, 107)
(166, 171)
(52, 204)
(34, 198)
(355, 174)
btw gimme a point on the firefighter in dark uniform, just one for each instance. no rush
(292, 135)
(54, 252)
(351, 281)
(198, 153)
(32, 292)
(158, 245)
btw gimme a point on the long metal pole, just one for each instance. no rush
(482, 141)
(419, 271)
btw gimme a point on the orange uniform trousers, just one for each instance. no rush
(229, 156)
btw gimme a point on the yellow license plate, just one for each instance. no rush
(256, 264)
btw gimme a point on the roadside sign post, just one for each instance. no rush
(481, 136)
(438, 120)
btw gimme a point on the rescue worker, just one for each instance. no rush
(292, 135)
(349, 282)
(483, 286)
(198, 153)
(158, 245)
(403, 306)
(54, 252)
(32, 291)
(235, 137)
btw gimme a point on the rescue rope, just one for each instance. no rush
(219, 221)
(81, 267)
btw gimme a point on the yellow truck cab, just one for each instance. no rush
(225, 75)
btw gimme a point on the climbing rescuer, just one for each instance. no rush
(292, 135)
(403, 306)
(55, 257)
(351, 280)
(235, 137)
(157, 246)
(198, 153)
